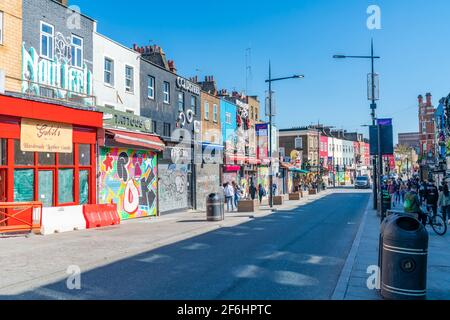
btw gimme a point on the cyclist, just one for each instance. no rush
(412, 204)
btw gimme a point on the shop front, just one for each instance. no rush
(128, 172)
(47, 153)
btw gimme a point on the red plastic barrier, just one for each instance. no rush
(100, 215)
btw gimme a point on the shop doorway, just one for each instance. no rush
(45, 187)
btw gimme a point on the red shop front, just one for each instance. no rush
(56, 163)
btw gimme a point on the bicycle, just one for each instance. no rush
(436, 222)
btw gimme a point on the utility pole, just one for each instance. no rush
(270, 80)
(373, 107)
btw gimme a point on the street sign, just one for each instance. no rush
(387, 138)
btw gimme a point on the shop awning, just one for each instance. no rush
(141, 140)
(298, 170)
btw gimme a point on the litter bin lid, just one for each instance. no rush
(403, 228)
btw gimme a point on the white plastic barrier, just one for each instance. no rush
(62, 219)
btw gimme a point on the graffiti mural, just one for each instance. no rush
(207, 182)
(129, 179)
(172, 187)
(60, 79)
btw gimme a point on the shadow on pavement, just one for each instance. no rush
(286, 255)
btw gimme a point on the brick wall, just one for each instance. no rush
(10, 51)
(211, 131)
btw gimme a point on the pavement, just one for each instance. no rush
(295, 252)
(353, 282)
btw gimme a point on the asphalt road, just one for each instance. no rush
(296, 254)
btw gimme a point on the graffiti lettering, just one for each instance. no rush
(148, 195)
(121, 166)
(57, 74)
(131, 198)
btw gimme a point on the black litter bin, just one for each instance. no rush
(404, 259)
(385, 222)
(214, 207)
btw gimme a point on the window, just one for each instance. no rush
(298, 143)
(46, 158)
(3, 152)
(65, 159)
(22, 158)
(180, 101)
(215, 113)
(1, 27)
(154, 126)
(166, 92)
(47, 40)
(166, 132)
(228, 117)
(194, 104)
(206, 110)
(23, 185)
(109, 72)
(151, 87)
(65, 186)
(129, 79)
(77, 51)
(84, 154)
(83, 183)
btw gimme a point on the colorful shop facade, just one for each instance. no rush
(48, 152)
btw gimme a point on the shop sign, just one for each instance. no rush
(188, 86)
(45, 136)
(118, 119)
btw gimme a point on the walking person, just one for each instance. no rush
(432, 197)
(261, 192)
(237, 193)
(252, 190)
(229, 195)
(444, 201)
(403, 190)
(412, 204)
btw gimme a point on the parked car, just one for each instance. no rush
(362, 182)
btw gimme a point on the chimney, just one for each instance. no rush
(156, 55)
(63, 2)
(428, 97)
(420, 98)
(172, 67)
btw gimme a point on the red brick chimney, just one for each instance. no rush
(172, 66)
(420, 98)
(428, 97)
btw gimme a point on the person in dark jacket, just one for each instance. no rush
(261, 192)
(252, 190)
(432, 197)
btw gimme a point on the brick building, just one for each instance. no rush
(426, 126)
(10, 44)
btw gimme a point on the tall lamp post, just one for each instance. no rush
(373, 107)
(269, 81)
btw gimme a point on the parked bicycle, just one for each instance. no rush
(435, 221)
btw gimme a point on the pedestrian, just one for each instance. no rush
(229, 195)
(432, 197)
(261, 192)
(444, 200)
(403, 189)
(237, 193)
(274, 189)
(252, 190)
(412, 204)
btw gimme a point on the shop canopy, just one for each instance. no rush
(141, 140)
(293, 169)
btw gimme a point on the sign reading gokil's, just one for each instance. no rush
(45, 136)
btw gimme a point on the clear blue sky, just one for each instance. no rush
(207, 37)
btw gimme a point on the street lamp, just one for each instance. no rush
(373, 106)
(269, 81)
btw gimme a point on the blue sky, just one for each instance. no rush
(210, 38)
